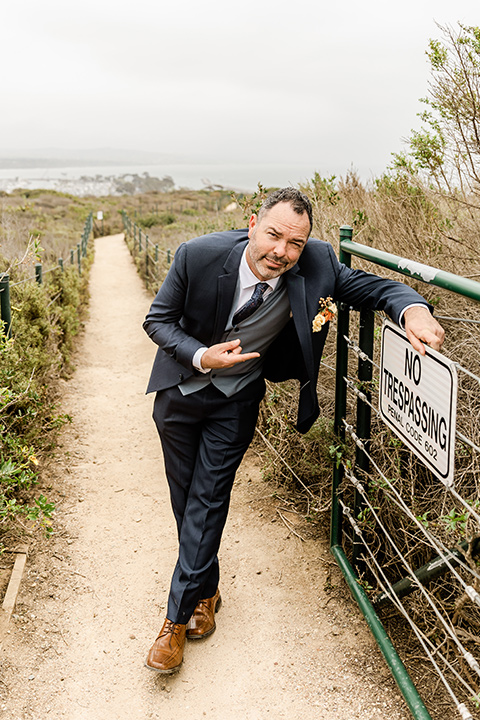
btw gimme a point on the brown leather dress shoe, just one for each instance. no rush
(166, 653)
(202, 622)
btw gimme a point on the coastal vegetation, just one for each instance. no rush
(425, 207)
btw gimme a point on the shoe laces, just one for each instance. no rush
(171, 628)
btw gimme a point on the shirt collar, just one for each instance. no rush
(248, 279)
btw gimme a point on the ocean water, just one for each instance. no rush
(97, 180)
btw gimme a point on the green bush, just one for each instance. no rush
(148, 221)
(45, 319)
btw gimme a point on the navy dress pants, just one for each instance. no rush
(204, 437)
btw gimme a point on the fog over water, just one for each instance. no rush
(96, 180)
(231, 94)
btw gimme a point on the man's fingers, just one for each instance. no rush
(416, 343)
(228, 346)
(235, 358)
(225, 355)
(421, 327)
(434, 341)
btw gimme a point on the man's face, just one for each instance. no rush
(276, 240)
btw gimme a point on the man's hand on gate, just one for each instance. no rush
(225, 355)
(421, 327)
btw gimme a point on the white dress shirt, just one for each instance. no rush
(247, 281)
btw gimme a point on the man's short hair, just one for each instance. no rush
(298, 200)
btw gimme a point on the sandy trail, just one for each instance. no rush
(93, 597)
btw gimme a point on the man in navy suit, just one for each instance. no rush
(237, 307)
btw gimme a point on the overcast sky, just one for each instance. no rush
(333, 84)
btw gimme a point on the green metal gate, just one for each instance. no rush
(352, 566)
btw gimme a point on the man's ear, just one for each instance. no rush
(251, 224)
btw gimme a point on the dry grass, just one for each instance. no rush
(412, 222)
(393, 216)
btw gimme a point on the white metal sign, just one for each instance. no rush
(418, 400)
(100, 215)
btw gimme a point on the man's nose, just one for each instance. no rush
(280, 248)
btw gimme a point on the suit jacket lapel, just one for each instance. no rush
(297, 297)
(226, 285)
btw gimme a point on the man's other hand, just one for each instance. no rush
(421, 327)
(225, 355)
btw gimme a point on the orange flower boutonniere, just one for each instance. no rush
(327, 312)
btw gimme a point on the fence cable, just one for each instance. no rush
(456, 319)
(448, 627)
(471, 592)
(467, 372)
(362, 396)
(351, 385)
(21, 282)
(438, 545)
(270, 446)
(388, 588)
(358, 351)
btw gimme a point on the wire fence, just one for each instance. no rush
(152, 261)
(77, 256)
(408, 542)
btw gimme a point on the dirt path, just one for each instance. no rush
(93, 597)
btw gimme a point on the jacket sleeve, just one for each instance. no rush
(163, 323)
(360, 289)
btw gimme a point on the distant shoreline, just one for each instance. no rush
(24, 163)
(83, 179)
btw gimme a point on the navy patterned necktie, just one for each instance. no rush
(251, 305)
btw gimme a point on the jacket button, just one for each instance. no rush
(180, 377)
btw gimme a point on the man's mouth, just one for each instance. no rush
(275, 263)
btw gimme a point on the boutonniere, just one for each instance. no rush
(327, 312)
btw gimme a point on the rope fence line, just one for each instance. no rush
(80, 252)
(140, 248)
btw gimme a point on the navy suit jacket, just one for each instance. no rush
(192, 306)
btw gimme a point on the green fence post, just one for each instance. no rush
(139, 240)
(365, 372)
(60, 262)
(399, 672)
(168, 257)
(79, 259)
(72, 256)
(134, 238)
(435, 568)
(156, 252)
(146, 258)
(340, 401)
(38, 273)
(5, 309)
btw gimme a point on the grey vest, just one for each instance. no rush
(256, 334)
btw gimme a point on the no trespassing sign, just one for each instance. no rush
(418, 400)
